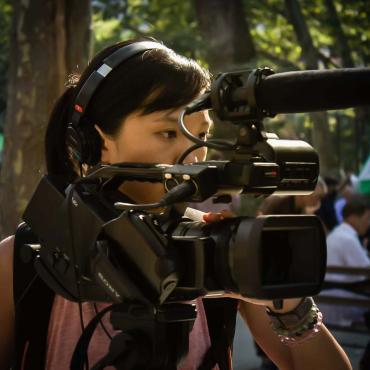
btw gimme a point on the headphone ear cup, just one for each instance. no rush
(84, 143)
(92, 145)
(74, 142)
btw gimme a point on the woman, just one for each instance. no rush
(130, 115)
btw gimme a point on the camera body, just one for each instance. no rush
(100, 254)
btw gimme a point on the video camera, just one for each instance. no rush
(92, 248)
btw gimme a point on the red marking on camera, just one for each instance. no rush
(78, 108)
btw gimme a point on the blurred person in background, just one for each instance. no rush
(294, 204)
(344, 249)
(327, 210)
(346, 190)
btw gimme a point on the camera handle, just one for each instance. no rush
(151, 338)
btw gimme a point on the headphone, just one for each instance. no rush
(81, 137)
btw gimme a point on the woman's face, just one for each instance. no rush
(153, 138)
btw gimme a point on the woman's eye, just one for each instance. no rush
(170, 134)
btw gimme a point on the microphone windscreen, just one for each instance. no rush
(314, 90)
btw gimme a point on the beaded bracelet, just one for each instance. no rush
(298, 325)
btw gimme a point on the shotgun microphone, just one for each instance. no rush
(308, 91)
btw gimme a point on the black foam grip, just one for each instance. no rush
(316, 90)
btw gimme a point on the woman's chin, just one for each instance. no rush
(143, 192)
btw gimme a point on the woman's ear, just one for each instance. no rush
(106, 148)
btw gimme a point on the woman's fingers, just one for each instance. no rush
(219, 216)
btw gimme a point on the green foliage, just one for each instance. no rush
(355, 22)
(355, 18)
(106, 32)
(277, 46)
(170, 21)
(174, 22)
(273, 34)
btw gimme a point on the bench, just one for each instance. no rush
(361, 287)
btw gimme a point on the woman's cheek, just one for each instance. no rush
(202, 154)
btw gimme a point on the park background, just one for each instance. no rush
(42, 42)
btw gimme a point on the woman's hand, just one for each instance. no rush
(219, 216)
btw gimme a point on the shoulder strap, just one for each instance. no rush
(33, 301)
(221, 317)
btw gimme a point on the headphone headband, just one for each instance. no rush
(109, 63)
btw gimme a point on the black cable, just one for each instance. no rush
(81, 348)
(187, 152)
(220, 144)
(28, 287)
(177, 194)
(122, 206)
(101, 323)
(87, 366)
(180, 192)
(184, 154)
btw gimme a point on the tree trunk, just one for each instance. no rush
(227, 40)
(362, 114)
(225, 32)
(341, 41)
(40, 60)
(322, 140)
(78, 34)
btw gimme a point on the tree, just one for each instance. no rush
(170, 21)
(49, 40)
(225, 33)
(341, 41)
(321, 137)
(362, 114)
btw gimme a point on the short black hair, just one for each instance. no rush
(357, 205)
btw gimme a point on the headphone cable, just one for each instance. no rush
(101, 322)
